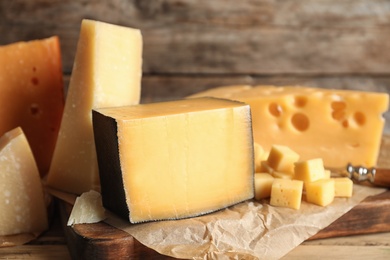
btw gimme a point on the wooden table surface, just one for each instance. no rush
(52, 245)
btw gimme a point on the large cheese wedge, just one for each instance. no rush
(32, 95)
(22, 204)
(107, 72)
(175, 159)
(339, 126)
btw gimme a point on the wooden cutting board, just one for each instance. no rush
(102, 241)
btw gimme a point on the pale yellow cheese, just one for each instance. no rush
(282, 158)
(88, 208)
(320, 192)
(286, 193)
(339, 126)
(282, 175)
(264, 167)
(263, 185)
(310, 170)
(22, 203)
(327, 174)
(106, 72)
(343, 187)
(174, 159)
(260, 155)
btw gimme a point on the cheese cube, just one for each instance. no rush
(260, 155)
(263, 185)
(327, 174)
(310, 170)
(282, 158)
(32, 94)
(286, 193)
(175, 159)
(314, 122)
(320, 192)
(22, 203)
(264, 167)
(343, 187)
(106, 72)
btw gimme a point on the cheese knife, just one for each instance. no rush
(376, 176)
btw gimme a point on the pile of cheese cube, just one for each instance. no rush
(284, 179)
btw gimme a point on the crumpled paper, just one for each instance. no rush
(249, 230)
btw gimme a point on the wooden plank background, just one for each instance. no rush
(192, 45)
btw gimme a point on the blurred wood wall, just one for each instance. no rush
(192, 45)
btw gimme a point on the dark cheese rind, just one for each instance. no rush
(110, 173)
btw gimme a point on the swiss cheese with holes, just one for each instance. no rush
(339, 126)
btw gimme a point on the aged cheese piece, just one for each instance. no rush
(286, 193)
(343, 187)
(32, 95)
(282, 158)
(310, 170)
(314, 122)
(320, 192)
(263, 185)
(106, 72)
(174, 159)
(22, 204)
(88, 208)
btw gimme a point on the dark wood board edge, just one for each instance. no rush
(102, 241)
(372, 215)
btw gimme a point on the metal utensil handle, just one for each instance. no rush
(376, 176)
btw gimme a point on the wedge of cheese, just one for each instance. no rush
(175, 159)
(32, 94)
(22, 203)
(106, 72)
(339, 126)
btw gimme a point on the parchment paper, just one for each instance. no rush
(249, 230)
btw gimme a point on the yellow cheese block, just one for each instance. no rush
(282, 158)
(22, 203)
(320, 192)
(310, 170)
(314, 122)
(286, 193)
(106, 72)
(32, 94)
(175, 159)
(263, 185)
(343, 187)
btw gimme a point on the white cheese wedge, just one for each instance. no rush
(22, 203)
(88, 208)
(175, 159)
(106, 72)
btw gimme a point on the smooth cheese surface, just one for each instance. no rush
(22, 204)
(314, 122)
(320, 192)
(106, 72)
(281, 158)
(343, 187)
(310, 170)
(176, 159)
(32, 94)
(263, 185)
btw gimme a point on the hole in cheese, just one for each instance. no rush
(300, 122)
(359, 118)
(300, 101)
(275, 109)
